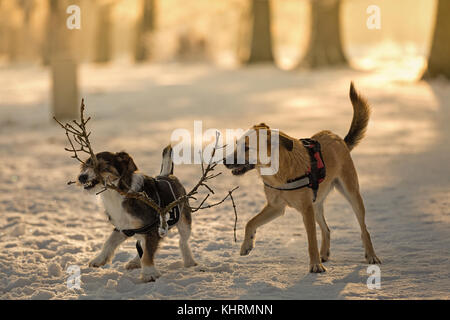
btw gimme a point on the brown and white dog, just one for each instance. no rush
(126, 213)
(294, 161)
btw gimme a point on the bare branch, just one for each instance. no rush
(235, 215)
(80, 137)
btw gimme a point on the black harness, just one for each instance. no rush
(163, 194)
(315, 174)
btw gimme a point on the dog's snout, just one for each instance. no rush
(83, 178)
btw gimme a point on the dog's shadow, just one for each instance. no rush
(308, 288)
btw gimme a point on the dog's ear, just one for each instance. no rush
(286, 142)
(126, 162)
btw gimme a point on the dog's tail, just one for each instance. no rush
(167, 162)
(361, 115)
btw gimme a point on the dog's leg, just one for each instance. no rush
(310, 225)
(148, 271)
(134, 263)
(105, 256)
(325, 245)
(184, 229)
(269, 213)
(349, 188)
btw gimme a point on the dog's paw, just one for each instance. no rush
(149, 274)
(372, 259)
(98, 261)
(324, 257)
(133, 264)
(246, 247)
(317, 268)
(191, 263)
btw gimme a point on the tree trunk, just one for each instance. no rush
(261, 39)
(46, 49)
(325, 47)
(144, 27)
(13, 33)
(63, 63)
(103, 39)
(26, 36)
(13, 44)
(439, 59)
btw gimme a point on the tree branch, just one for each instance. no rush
(81, 138)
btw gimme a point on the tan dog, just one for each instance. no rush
(295, 161)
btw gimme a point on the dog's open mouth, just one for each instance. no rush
(242, 169)
(90, 184)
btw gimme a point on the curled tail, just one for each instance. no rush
(167, 163)
(361, 115)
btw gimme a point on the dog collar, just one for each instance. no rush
(315, 174)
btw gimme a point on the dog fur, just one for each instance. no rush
(294, 161)
(126, 213)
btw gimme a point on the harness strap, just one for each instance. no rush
(142, 230)
(294, 184)
(174, 214)
(315, 174)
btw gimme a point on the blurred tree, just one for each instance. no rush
(47, 42)
(325, 47)
(63, 64)
(3, 29)
(145, 26)
(27, 7)
(25, 34)
(260, 38)
(439, 59)
(191, 46)
(12, 25)
(103, 40)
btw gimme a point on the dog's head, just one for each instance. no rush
(111, 167)
(246, 154)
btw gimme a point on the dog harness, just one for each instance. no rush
(163, 194)
(315, 174)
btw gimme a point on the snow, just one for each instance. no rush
(47, 226)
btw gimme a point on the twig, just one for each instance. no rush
(235, 216)
(214, 204)
(80, 136)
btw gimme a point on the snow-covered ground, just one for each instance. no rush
(403, 164)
